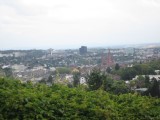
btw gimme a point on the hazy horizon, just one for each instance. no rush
(43, 24)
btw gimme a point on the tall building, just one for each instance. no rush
(107, 60)
(83, 50)
(50, 51)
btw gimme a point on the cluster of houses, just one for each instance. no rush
(137, 77)
(72, 58)
(36, 74)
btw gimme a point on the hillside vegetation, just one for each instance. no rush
(27, 101)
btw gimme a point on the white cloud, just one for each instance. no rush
(92, 22)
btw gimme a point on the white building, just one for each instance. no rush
(157, 77)
(83, 81)
(157, 72)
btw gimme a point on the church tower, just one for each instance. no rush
(107, 60)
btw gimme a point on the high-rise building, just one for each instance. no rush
(83, 50)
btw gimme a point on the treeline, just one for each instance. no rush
(128, 73)
(145, 69)
(99, 80)
(27, 101)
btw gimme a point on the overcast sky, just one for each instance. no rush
(60, 24)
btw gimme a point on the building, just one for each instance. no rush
(50, 52)
(107, 60)
(83, 81)
(157, 77)
(83, 50)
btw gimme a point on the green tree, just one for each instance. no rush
(50, 79)
(8, 72)
(147, 82)
(119, 87)
(107, 84)
(29, 101)
(95, 79)
(43, 80)
(108, 70)
(140, 81)
(117, 67)
(132, 84)
(144, 69)
(155, 89)
(64, 70)
(128, 73)
(76, 79)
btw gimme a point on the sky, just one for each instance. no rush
(67, 24)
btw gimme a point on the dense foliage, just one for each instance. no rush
(63, 70)
(99, 80)
(139, 69)
(38, 101)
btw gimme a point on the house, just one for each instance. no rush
(83, 81)
(157, 72)
(141, 90)
(157, 77)
(69, 78)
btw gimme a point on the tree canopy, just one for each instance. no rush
(27, 101)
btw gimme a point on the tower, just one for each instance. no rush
(107, 60)
(110, 61)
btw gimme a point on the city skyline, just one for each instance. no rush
(39, 24)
